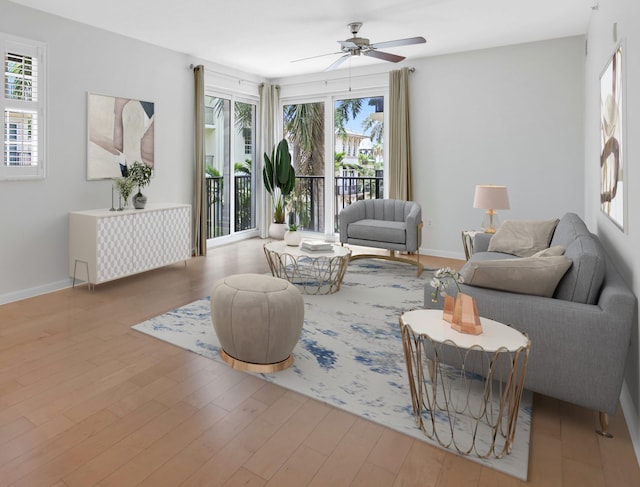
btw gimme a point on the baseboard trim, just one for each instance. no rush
(631, 417)
(440, 253)
(35, 291)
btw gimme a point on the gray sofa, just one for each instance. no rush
(394, 225)
(580, 336)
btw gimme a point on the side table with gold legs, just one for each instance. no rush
(473, 382)
(467, 242)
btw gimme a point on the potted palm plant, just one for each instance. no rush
(279, 178)
(140, 175)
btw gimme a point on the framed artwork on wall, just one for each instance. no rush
(120, 132)
(612, 161)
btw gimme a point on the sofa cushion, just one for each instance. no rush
(582, 282)
(568, 229)
(536, 276)
(378, 230)
(522, 238)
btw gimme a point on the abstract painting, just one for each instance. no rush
(612, 171)
(120, 132)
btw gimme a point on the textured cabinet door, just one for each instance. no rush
(148, 241)
(114, 257)
(177, 226)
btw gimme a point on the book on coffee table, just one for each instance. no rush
(316, 246)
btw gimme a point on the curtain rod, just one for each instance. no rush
(230, 76)
(240, 80)
(327, 81)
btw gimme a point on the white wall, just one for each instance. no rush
(622, 246)
(512, 116)
(33, 214)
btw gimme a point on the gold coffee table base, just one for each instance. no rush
(310, 272)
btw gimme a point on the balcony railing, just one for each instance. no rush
(217, 217)
(309, 204)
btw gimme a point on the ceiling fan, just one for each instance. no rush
(355, 46)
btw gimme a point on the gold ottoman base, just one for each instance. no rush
(234, 363)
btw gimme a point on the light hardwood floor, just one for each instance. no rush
(84, 401)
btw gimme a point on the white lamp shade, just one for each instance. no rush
(491, 197)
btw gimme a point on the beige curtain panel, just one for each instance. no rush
(199, 207)
(400, 183)
(269, 130)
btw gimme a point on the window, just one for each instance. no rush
(248, 141)
(323, 189)
(304, 130)
(230, 178)
(22, 105)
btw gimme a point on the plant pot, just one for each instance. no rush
(139, 201)
(276, 230)
(292, 239)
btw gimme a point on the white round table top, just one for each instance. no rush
(281, 247)
(494, 336)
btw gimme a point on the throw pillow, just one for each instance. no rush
(538, 276)
(522, 238)
(550, 252)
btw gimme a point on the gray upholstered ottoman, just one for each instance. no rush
(258, 320)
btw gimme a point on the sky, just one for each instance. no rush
(355, 125)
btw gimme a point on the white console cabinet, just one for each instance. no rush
(106, 245)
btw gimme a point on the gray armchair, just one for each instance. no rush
(394, 225)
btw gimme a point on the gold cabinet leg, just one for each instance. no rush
(604, 425)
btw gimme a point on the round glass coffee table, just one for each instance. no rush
(465, 389)
(313, 272)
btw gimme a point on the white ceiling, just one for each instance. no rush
(262, 37)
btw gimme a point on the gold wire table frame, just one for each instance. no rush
(467, 242)
(465, 389)
(311, 272)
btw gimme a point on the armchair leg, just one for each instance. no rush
(604, 424)
(392, 256)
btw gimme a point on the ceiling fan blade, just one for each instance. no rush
(399, 42)
(313, 57)
(385, 56)
(338, 62)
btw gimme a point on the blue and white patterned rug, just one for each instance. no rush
(350, 354)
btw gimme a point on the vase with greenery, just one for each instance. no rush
(279, 178)
(140, 175)
(125, 187)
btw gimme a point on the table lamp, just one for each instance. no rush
(491, 198)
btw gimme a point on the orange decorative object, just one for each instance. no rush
(447, 309)
(462, 313)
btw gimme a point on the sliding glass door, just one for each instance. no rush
(358, 151)
(351, 131)
(229, 165)
(304, 129)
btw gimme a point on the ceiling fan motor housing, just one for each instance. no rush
(355, 45)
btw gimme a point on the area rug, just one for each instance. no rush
(350, 353)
